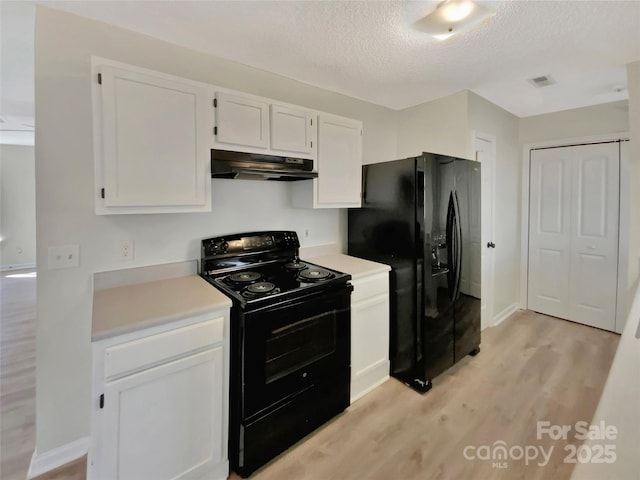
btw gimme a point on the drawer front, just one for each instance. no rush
(155, 349)
(367, 287)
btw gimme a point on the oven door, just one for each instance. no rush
(293, 347)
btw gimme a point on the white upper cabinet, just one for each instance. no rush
(246, 123)
(339, 166)
(292, 129)
(241, 121)
(152, 137)
(339, 161)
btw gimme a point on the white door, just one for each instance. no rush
(594, 235)
(485, 148)
(573, 233)
(549, 232)
(468, 186)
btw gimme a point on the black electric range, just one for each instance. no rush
(290, 342)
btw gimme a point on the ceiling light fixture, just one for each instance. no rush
(455, 16)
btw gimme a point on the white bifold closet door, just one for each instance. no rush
(573, 233)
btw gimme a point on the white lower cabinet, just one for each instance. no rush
(160, 404)
(369, 333)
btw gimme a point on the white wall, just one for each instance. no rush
(485, 117)
(439, 126)
(633, 84)
(64, 182)
(579, 122)
(18, 207)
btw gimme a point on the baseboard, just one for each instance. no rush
(369, 379)
(498, 319)
(17, 266)
(219, 472)
(57, 457)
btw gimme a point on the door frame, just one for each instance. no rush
(492, 261)
(623, 221)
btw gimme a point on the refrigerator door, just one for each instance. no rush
(468, 258)
(384, 230)
(435, 218)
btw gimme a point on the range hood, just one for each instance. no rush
(255, 166)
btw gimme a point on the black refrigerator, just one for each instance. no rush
(421, 216)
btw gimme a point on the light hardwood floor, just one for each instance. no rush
(531, 367)
(17, 374)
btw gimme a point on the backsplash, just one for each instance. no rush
(238, 206)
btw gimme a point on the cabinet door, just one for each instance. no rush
(165, 422)
(241, 121)
(339, 162)
(155, 142)
(369, 344)
(291, 129)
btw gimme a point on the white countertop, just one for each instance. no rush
(619, 407)
(127, 307)
(354, 266)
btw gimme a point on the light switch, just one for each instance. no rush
(64, 256)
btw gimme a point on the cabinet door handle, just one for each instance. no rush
(491, 245)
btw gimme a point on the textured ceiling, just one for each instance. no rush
(369, 49)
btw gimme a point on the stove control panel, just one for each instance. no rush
(244, 243)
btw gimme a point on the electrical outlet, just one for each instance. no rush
(65, 256)
(125, 250)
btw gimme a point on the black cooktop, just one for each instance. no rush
(275, 280)
(263, 267)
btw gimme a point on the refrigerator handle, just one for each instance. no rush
(449, 242)
(458, 244)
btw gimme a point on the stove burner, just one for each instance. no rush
(261, 287)
(295, 266)
(315, 274)
(244, 277)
